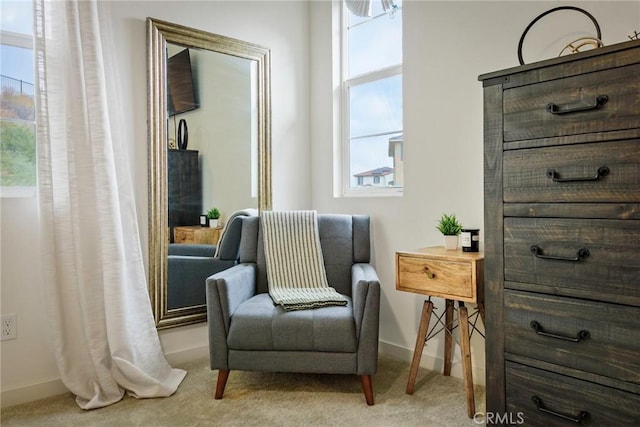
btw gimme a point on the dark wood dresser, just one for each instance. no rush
(184, 188)
(562, 240)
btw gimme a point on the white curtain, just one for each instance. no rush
(104, 335)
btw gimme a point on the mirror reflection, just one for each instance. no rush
(209, 154)
(215, 123)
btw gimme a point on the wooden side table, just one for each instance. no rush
(454, 276)
(196, 234)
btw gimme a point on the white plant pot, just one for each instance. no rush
(451, 243)
(213, 223)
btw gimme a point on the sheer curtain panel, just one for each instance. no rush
(104, 335)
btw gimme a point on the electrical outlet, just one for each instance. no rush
(9, 326)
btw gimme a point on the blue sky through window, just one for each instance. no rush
(16, 17)
(17, 63)
(375, 89)
(375, 44)
(376, 107)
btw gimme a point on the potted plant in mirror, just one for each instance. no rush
(213, 215)
(450, 228)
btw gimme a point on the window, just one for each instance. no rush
(17, 106)
(372, 127)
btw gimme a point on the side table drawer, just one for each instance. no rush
(543, 398)
(586, 335)
(436, 277)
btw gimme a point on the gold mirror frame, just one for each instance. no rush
(159, 33)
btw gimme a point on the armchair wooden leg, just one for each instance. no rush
(367, 388)
(223, 375)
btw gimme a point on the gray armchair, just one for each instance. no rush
(190, 264)
(248, 332)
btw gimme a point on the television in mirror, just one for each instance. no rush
(181, 93)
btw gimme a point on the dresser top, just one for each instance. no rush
(495, 77)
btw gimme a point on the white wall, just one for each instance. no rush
(447, 45)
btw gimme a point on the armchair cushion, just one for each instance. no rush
(259, 324)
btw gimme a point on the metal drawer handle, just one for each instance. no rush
(555, 176)
(583, 416)
(537, 251)
(581, 336)
(597, 103)
(430, 274)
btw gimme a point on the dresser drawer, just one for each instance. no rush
(598, 259)
(436, 277)
(543, 398)
(597, 172)
(561, 107)
(590, 336)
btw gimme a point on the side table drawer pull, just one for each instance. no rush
(583, 416)
(430, 274)
(538, 252)
(581, 336)
(597, 103)
(555, 176)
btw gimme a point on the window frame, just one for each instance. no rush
(23, 41)
(346, 83)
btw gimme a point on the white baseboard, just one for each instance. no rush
(55, 386)
(430, 362)
(32, 392)
(187, 355)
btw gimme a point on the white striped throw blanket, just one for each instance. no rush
(295, 266)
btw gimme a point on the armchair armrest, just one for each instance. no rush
(365, 289)
(365, 293)
(226, 290)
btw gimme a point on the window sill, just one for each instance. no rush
(17, 192)
(381, 192)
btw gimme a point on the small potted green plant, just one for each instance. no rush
(213, 215)
(450, 228)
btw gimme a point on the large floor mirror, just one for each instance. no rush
(209, 147)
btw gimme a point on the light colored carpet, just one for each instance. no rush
(272, 399)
